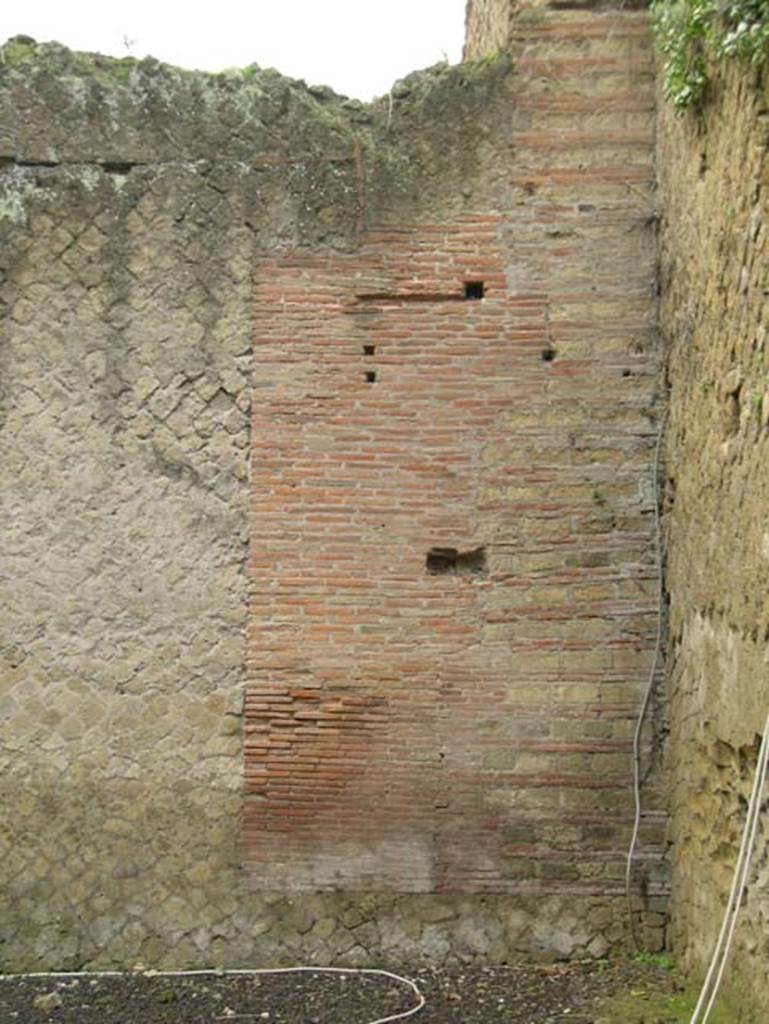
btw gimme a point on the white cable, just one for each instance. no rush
(739, 881)
(758, 786)
(649, 685)
(734, 892)
(245, 971)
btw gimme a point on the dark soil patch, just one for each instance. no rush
(529, 994)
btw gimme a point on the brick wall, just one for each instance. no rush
(468, 731)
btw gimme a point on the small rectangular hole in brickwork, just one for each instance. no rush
(450, 561)
(473, 289)
(370, 376)
(115, 167)
(369, 350)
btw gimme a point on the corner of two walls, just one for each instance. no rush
(125, 409)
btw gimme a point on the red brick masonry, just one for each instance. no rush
(418, 730)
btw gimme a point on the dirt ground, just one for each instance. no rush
(599, 992)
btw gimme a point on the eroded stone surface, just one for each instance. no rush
(715, 250)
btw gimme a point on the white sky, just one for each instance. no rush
(358, 47)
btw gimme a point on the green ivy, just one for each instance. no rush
(691, 33)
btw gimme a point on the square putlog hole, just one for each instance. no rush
(450, 561)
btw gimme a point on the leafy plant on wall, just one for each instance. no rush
(692, 33)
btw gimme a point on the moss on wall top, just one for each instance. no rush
(425, 144)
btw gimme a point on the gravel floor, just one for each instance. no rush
(528, 994)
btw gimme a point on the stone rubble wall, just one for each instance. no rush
(715, 210)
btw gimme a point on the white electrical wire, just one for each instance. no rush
(739, 881)
(246, 971)
(649, 685)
